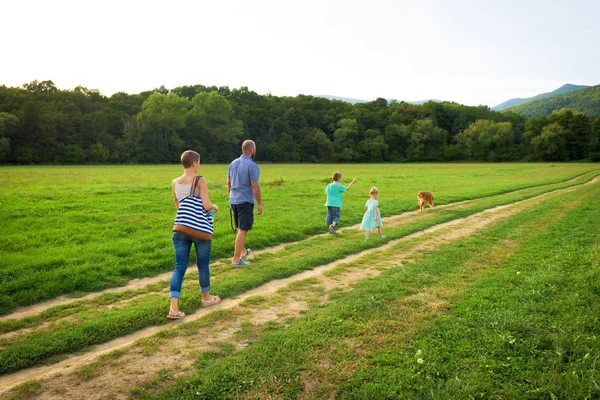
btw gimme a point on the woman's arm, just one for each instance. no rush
(376, 210)
(174, 194)
(203, 189)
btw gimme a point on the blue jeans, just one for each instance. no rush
(333, 215)
(183, 245)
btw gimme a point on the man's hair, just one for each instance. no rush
(248, 145)
(188, 157)
(373, 190)
(336, 176)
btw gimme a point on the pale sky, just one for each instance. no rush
(472, 52)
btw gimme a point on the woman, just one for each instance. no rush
(183, 244)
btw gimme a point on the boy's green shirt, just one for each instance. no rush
(334, 194)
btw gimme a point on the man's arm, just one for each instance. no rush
(254, 175)
(257, 196)
(229, 178)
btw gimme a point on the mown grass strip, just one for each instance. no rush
(360, 346)
(149, 310)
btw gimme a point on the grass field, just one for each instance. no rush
(495, 314)
(71, 229)
(512, 313)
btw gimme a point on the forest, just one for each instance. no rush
(41, 124)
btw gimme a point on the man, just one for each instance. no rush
(244, 190)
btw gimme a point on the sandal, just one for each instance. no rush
(175, 314)
(241, 264)
(211, 302)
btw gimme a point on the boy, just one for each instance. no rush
(334, 200)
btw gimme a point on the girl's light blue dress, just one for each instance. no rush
(368, 221)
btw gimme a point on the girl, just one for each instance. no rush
(372, 217)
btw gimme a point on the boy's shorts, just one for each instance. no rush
(333, 215)
(243, 215)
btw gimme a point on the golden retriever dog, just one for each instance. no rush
(425, 198)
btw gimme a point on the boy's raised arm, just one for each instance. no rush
(351, 183)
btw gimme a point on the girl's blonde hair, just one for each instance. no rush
(373, 190)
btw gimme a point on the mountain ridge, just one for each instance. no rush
(585, 100)
(346, 99)
(567, 87)
(355, 101)
(541, 104)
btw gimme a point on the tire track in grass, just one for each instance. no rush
(431, 238)
(137, 284)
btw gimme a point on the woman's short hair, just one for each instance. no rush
(373, 190)
(188, 157)
(336, 176)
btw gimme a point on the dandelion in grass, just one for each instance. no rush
(420, 361)
(518, 272)
(419, 352)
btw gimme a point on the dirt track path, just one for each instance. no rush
(135, 284)
(291, 304)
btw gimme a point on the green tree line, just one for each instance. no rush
(41, 124)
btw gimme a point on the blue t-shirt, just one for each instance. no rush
(242, 172)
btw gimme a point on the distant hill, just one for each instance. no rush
(585, 100)
(354, 101)
(346, 99)
(563, 89)
(508, 104)
(424, 101)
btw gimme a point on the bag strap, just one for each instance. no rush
(195, 185)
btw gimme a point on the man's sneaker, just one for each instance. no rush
(331, 228)
(248, 252)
